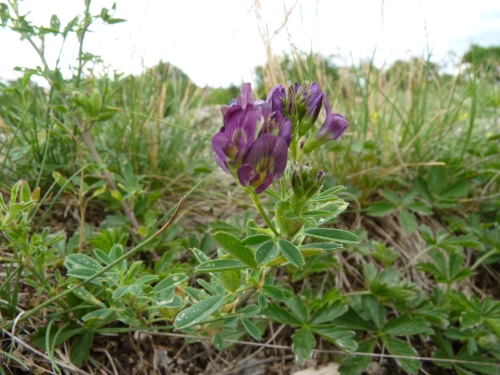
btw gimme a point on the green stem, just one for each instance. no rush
(483, 258)
(258, 205)
(87, 22)
(417, 257)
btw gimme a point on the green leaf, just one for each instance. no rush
(146, 280)
(197, 312)
(39, 337)
(102, 256)
(262, 301)
(220, 265)
(381, 209)
(169, 282)
(298, 309)
(437, 179)
(85, 295)
(4, 17)
(336, 235)
(493, 324)
(305, 253)
(113, 21)
(456, 190)
(398, 347)
(251, 329)
(236, 248)
(256, 239)
(219, 342)
(391, 196)
(405, 325)
(319, 213)
(373, 309)
(420, 208)
(100, 314)
(231, 279)
(120, 292)
(81, 273)
(303, 344)
(470, 319)
(274, 292)
(135, 289)
(408, 221)
(279, 314)
(272, 193)
(327, 312)
(266, 252)
(84, 261)
(200, 256)
(352, 320)
(356, 364)
(250, 310)
(291, 253)
(322, 245)
(339, 336)
(80, 349)
(332, 191)
(55, 24)
(408, 197)
(207, 286)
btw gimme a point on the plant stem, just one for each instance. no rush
(483, 258)
(81, 37)
(258, 205)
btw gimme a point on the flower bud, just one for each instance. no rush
(306, 180)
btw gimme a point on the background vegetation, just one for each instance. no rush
(103, 161)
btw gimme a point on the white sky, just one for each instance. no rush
(218, 42)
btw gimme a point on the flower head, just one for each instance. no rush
(332, 128)
(264, 161)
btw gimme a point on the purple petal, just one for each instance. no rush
(263, 110)
(275, 97)
(285, 132)
(268, 154)
(267, 181)
(332, 128)
(240, 129)
(314, 102)
(230, 111)
(221, 163)
(245, 98)
(220, 142)
(246, 173)
(224, 108)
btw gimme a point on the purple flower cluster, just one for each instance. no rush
(256, 161)
(256, 157)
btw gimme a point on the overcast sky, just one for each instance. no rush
(218, 42)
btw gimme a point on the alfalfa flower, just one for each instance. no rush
(238, 132)
(264, 162)
(235, 137)
(332, 128)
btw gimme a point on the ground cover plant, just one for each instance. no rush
(353, 216)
